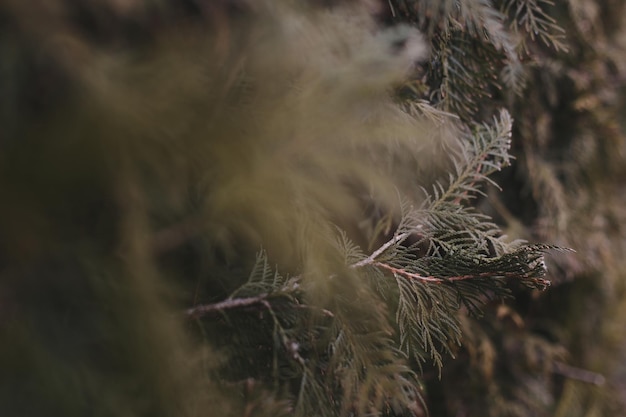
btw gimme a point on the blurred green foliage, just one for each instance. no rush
(189, 192)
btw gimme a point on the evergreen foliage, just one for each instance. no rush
(563, 89)
(280, 208)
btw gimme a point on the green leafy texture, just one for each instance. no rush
(472, 53)
(508, 371)
(477, 48)
(532, 17)
(564, 188)
(263, 281)
(484, 152)
(346, 362)
(350, 349)
(160, 158)
(450, 263)
(175, 143)
(571, 162)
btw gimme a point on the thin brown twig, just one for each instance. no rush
(372, 258)
(204, 309)
(438, 280)
(233, 303)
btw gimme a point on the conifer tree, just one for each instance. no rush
(269, 208)
(558, 68)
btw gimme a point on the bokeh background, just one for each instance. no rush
(149, 148)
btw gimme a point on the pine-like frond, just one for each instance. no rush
(483, 21)
(484, 152)
(456, 256)
(351, 252)
(531, 18)
(262, 279)
(432, 288)
(426, 319)
(473, 55)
